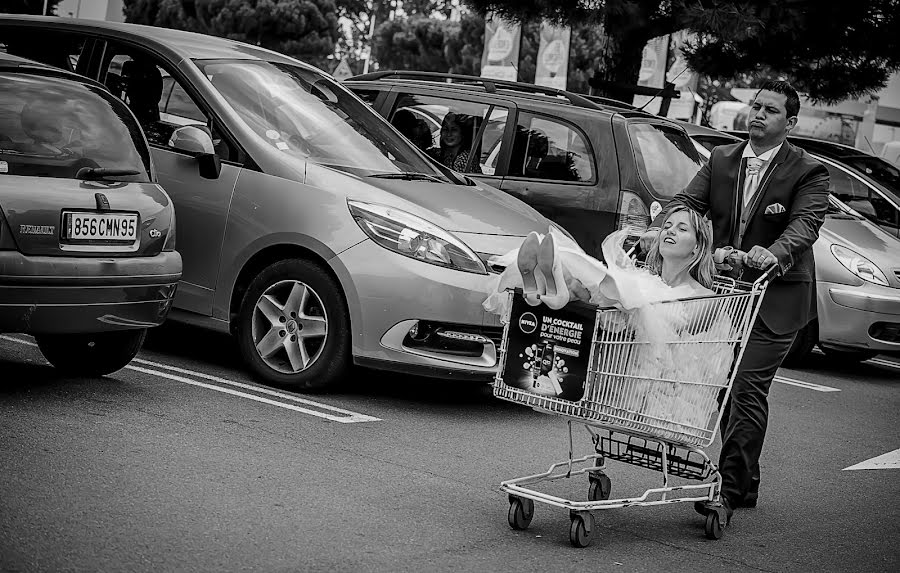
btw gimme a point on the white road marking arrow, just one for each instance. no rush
(888, 461)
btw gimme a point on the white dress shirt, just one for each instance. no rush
(751, 182)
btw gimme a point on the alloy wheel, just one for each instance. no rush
(289, 326)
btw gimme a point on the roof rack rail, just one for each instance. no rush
(490, 85)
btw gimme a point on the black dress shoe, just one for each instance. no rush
(749, 500)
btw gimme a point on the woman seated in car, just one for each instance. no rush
(457, 131)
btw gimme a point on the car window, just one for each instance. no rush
(862, 198)
(666, 159)
(160, 103)
(710, 142)
(177, 106)
(878, 169)
(544, 148)
(423, 119)
(53, 127)
(57, 49)
(368, 96)
(304, 114)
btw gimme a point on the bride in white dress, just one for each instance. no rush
(553, 269)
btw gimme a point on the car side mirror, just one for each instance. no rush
(197, 141)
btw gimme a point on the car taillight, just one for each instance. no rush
(169, 245)
(633, 214)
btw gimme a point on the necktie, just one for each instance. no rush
(751, 181)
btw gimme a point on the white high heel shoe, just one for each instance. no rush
(556, 292)
(533, 285)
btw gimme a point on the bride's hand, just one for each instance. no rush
(646, 240)
(721, 258)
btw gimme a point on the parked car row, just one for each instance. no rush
(590, 166)
(858, 263)
(309, 228)
(317, 230)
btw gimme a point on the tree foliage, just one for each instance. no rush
(401, 44)
(28, 6)
(831, 50)
(425, 43)
(416, 43)
(305, 29)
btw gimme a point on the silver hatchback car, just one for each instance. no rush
(309, 227)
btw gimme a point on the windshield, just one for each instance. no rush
(878, 169)
(666, 158)
(302, 113)
(53, 127)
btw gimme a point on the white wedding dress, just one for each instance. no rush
(668, 342)
(621, 284)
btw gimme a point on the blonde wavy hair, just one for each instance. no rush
(701, 268)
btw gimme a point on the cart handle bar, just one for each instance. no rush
(734, 256)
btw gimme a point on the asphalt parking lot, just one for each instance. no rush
(181, 462)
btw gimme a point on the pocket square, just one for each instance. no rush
(775, 209)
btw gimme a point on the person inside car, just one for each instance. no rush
(413, 128)
(457, 131)
(143, 89)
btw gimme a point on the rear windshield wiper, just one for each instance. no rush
(95, 173)
(409, 176)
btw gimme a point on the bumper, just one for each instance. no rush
(63, 295)
(388, 294)
(865, 317)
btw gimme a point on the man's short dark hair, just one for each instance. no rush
(792, 105)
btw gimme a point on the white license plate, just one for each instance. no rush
(103, 227)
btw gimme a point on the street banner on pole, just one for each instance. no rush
(553, 56)
(500, 59)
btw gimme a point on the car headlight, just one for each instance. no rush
(414, 237)
(859, 265)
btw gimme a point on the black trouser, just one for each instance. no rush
(746, 415)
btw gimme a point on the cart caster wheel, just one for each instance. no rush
(582, 529)
(521, 511)
(601, 486)
(714, 527)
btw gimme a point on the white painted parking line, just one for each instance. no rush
(882, 362)
(337, 415)
(261, 390)
(878, 361)
(888, 461)
(19, 340)
(807, 385)
(349, 418)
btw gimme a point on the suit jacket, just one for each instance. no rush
(784, 217)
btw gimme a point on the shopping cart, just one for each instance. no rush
(649, 392)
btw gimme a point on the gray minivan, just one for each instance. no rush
(309, 227)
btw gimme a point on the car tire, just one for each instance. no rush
(803, 345)
(293, 327)
(94, 354)
(848, 355)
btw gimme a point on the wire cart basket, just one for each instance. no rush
(648, 386)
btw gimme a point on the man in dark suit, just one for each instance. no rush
(766, 198)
